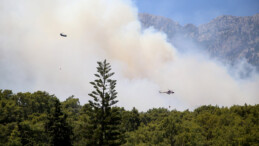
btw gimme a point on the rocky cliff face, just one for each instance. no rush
(230, 38)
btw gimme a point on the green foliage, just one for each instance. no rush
(104, 120)
(9, 109)
(27, 111)
(71, 106)
(131, 120)
(15, 139)
(39, 119)
(59, 131)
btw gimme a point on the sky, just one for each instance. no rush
(197, 11)
(33, 56)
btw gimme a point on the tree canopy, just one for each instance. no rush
(41, 119)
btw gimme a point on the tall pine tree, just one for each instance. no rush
(59, 131)
(104, 119)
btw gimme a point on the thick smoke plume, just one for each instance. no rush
(34, 57)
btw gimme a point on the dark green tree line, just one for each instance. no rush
(41, 119)
(58, 130)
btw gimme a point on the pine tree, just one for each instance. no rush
(134, 119)
(58, 129)
(104, 118)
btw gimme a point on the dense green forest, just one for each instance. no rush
(23, 117)
(41, 119)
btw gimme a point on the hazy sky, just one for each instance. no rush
(197, 11)
(32, 53)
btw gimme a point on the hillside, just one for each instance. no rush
(229, 38)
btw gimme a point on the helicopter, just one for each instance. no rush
(167, 92)
(63, 35)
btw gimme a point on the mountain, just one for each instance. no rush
(229, 38)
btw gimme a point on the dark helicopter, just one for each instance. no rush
(63, 35)
(167, 92)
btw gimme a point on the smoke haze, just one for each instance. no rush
(34, 57)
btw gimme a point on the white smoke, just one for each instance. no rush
(34, 57)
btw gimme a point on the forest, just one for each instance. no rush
(42, 119)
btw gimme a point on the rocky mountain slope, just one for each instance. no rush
(229, 38)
